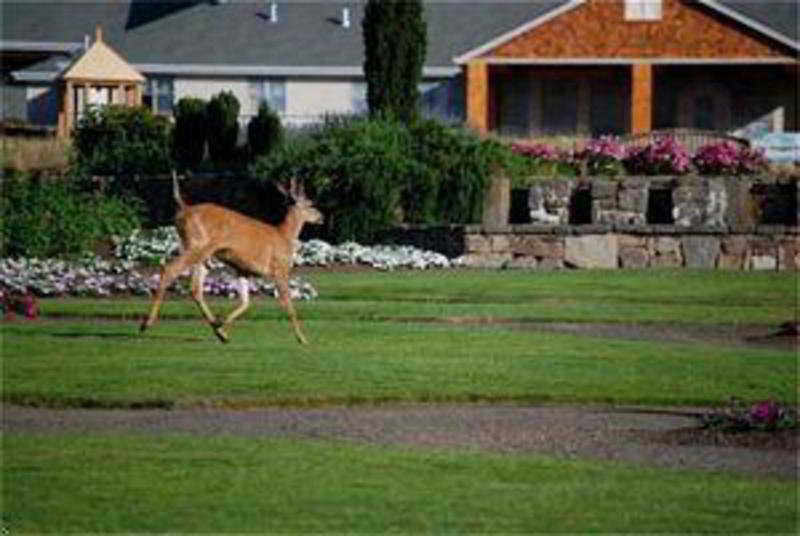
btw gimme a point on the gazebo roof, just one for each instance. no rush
(101, 63)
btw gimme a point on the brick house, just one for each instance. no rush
(518, 67)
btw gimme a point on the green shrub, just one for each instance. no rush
(368, 174)
(354, 169)
(455, 167)
(190, 132)
(57, 219)
(222, 115)
(120, 140)
(264, 132)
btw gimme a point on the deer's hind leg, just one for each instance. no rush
(244, 296)
(169, 273)
(199, 272)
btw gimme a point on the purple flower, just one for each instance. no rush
(765, 413)
(729, 158)
(538, 151)
(665, 155)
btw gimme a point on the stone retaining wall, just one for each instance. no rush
(604, 246)
(737, 202)
(734, 223)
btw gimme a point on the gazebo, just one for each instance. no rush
(98, 77)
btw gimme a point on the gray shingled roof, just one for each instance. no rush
(781, 16)
(237, 33)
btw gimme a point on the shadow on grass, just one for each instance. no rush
(123, 336)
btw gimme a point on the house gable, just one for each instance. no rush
(597, 30)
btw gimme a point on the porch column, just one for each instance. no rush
(477, 82)
(641, 98)
(66, 108)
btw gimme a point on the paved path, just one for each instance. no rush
(573, 432)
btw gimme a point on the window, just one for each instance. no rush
(269, 90)
(559, 106)
(358, 98)
(443, 99)
(643, 9)
(703, 112)
(159, 95)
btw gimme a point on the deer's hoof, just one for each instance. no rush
(221, 335)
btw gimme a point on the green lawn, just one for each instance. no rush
(375, 339)
(372, 342)
(151, 484)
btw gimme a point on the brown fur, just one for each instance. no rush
(248, 245)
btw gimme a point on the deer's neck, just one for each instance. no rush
(291, 226)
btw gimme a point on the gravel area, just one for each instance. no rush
(633, 435)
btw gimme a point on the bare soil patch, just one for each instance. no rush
(642, 436)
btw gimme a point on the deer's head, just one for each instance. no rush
(303, 207)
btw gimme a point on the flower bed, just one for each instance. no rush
(664, 155)
(133, 270)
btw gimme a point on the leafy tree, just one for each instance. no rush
(119, 140)
(222, 116)
(395, 44)
(190, 132)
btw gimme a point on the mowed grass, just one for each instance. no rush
(649, 296)
(373, 341)
(376, 338)
(182, 484)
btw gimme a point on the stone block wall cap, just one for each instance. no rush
(590, 228)
(633, 228)
(702, 229)
(776, 230)
(536, 228)
(742, 229)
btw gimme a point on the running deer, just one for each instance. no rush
(249, 246)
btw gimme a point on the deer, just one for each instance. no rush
(249, 246)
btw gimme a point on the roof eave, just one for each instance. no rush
(753, 24)
(496, 60)
(39, 46)
(273, 70)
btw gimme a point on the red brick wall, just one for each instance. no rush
(598, 29)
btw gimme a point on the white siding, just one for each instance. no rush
(204, 88)
(307, 100)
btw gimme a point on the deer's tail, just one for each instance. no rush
(176, 192)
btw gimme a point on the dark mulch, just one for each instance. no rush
(787, 439)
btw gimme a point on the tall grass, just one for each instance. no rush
(25, 155)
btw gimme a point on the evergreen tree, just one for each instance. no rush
(395, 42)
(222, 116)
(189, 135)
(264, 131)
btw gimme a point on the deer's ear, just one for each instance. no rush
(282, 189)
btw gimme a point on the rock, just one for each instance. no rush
(539, 246)
(763, 262)
(633, 257)
(522, 262)
(591, 251)
(700, 251)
